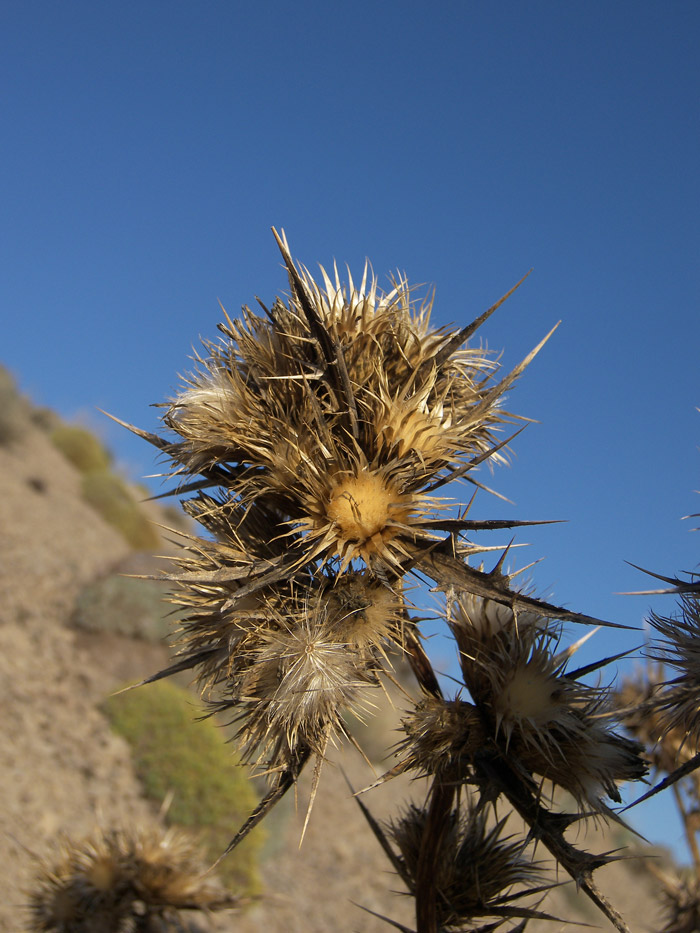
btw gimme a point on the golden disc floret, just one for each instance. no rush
(365, 505)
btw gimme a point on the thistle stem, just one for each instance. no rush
(688, 828)
(441, 801)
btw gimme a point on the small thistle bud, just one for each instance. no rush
(681, 901)
(484, 619)
(366, 614)
(442, 737)
(637, 708)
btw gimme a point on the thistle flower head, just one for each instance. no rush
(288, 660)
(111, 880)
(304, 662)
(334, 415)
(297, 688)
(475, 870)
(552, 723)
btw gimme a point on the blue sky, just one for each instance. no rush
(150, 147)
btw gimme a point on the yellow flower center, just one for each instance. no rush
(363, 505)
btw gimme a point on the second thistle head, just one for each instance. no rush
(550, 721)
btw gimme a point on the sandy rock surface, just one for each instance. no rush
(61, 768)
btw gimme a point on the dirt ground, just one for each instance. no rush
(62, 770)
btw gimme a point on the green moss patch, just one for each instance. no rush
(81, 448)
(175, 753)
(106, 492)
(110, 496)
(125, 606)
(14, 409)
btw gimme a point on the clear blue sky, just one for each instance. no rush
(149, 147)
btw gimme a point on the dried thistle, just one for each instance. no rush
(290, 659)
(301, 674)
(477, 872)
(528, 719)
(319, 433)
(675, 703)
(670, 752)
(541, 716)
(118, 881)
(638, 710)
(337, 413)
